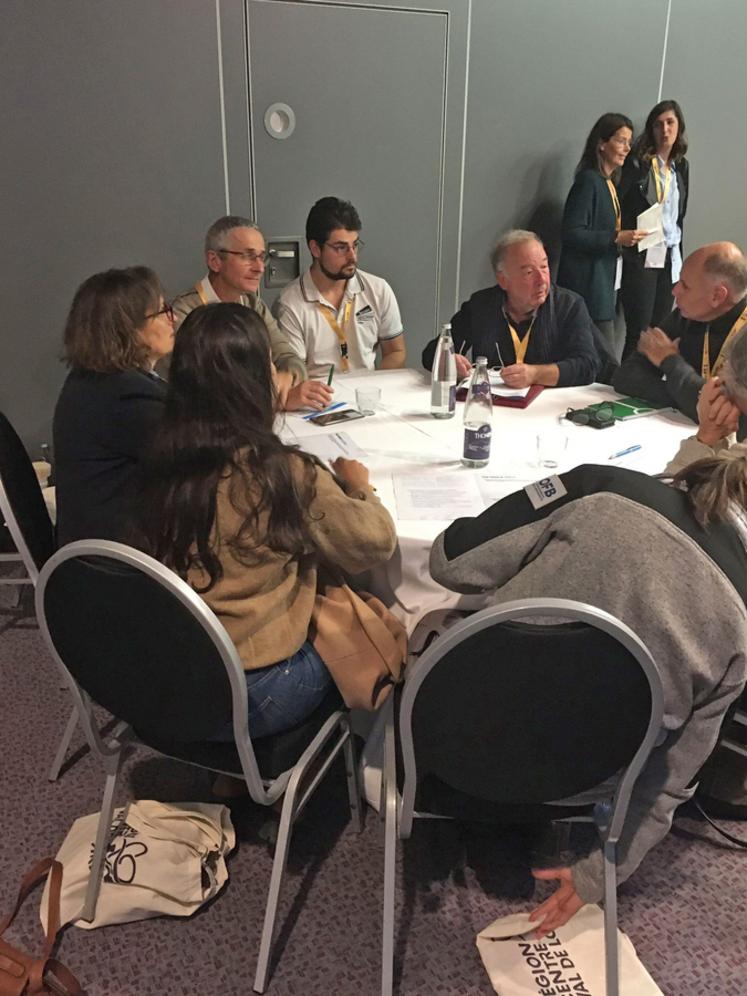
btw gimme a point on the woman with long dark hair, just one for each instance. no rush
(247, 519)
(655, 171)
(592, 234)
(117, 330)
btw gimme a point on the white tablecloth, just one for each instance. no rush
(402, 437)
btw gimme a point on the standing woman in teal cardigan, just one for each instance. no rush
(591, 233)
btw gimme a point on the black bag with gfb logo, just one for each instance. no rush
(21, 974)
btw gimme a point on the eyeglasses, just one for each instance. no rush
(165, 310)
(341, 248)
(248, 255)
(585, 416)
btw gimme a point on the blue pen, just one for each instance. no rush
(330, 408)
(630, 449)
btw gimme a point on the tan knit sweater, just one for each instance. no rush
(266, 607)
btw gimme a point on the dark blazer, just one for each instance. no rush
(562, 334)
(589, 255)
(677, 382)
(638, 192)
(103, 425)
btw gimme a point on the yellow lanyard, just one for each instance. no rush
(201, 293)
(661, 196)
(615, 203)
(520, 345)
(705, 367)
(339, 330)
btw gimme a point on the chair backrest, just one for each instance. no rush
(522, 712)
(22, 504)
(139, 641)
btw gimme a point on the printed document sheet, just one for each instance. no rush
(439, 497)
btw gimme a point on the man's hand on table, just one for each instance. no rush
(718, 416)
(562, 904)
(463, 366)
(519, 375)
(352, 473)
(308, 394)
(656, 346)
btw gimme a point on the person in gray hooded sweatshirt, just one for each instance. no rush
(668, 561)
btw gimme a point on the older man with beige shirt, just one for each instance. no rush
(235, 255)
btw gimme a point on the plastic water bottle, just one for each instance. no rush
(478, 414)
(444, 376)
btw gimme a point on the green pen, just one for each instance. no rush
(329, 375)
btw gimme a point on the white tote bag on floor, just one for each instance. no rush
(568, 960)
(160, 859)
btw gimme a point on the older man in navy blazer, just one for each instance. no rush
(536, 332)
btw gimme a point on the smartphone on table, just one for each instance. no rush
(329, 418)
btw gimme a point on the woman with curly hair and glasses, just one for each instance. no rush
(117, 330)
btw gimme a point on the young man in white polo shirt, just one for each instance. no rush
(335, 313)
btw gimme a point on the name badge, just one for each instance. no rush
(656, 257)
(618, 273)
(546, 491)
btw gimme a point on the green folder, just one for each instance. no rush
(626, 408)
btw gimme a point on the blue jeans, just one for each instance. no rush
(282, 695)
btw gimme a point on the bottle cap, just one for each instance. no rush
(482, 359)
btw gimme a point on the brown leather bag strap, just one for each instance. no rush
(30, 880)
(65, 976)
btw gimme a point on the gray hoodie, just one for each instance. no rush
(628, 544)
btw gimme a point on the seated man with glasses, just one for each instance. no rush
(235, 256)
(335, 313)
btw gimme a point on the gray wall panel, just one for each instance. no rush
(112, 156)
(540, 75)
(706, 71)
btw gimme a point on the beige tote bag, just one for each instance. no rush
(161, 858)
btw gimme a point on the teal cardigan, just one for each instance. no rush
(589, 255)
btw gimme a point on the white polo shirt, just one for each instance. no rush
(372, 317)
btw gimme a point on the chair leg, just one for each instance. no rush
(276, 880)
(389, 797)
(102, 835)
(353, 779)
(610, 921)
(67, 736)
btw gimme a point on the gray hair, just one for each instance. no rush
(731, 268)
(516, 237)
(215, 238)
(714, 483)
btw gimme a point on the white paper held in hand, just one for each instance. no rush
(651, 221)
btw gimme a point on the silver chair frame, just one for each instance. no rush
(399, 811)
(32, 572)
(263, 791)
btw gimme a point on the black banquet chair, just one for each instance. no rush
(133, 637)
(502, 715)
(27, 534)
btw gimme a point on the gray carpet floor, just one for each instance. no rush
(685, 909)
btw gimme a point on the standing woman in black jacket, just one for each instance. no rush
(592, 233)
(656, 170)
